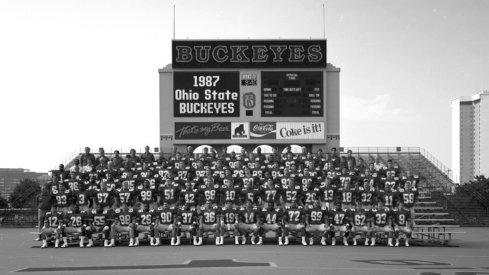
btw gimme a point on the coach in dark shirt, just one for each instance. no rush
(85, 157)
(147, 156)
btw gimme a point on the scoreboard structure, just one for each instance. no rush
(249, 93)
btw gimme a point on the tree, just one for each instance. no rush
(25, 194)
(3, 202)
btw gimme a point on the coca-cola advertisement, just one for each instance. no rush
(263, 130)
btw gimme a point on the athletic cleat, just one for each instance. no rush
(397, 243)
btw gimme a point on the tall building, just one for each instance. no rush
(470, 137)
(10, 177)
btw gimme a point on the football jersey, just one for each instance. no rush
(75, 219)
(169, 194)
(328, 194)
(124, 217)
(209, 193)
(388, 197)
(294, 215)
(409, 198)
(366, 196)
(229, 215)
(53, 219)
(401, 217)
(381, 216)
(250, 194)
(309, 196)
(317, 215)
(82, 198)
(230, 193)
(209, 216)
(104, 197)
(339, 217)
(360, 217)
(249, 216)
(75, 185)
(272, 216)
(292, 194)
(99, 219)
(270, 194)
(126, 196)
(187, 217)
(166, 215)
(147, 195)
(189, 197)
(347, 195)
(145, 218)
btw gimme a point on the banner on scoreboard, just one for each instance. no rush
(240, 130)
(202, 130)
(300, 130)
(249, 53)
(206, 94)
(263, 130)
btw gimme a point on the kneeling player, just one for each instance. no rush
(294, 222)
(75, 224)
(339, 217)
(402, 223)
(165, 222)
(272, 219)
(382, 223)
(144, 224)
(316, 222)
(229, 221)
(98, 221)
(248, 218)
(208, 222)
(359, 220)
(52, 224)
(186, 222)
(123, 218)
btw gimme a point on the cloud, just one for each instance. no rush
(381, 108)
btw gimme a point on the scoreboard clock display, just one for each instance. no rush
(292, 94)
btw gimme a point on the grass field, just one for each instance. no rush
(19, 255)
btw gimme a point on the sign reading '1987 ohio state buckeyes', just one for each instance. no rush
(206, 94)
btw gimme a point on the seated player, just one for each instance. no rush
(272, 220)
(165, 223)
(402, 223)
(144, 224)
(359, 221)
(98, 222)
(123, 223)
(294, 222)
(229, 221)
(186, 222)
(52, 222)
(75, 224)
(339, 218)
(208, 222)
(247, 222)
(382, 222)
(317, 220)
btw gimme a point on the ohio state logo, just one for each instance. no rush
(249, 100)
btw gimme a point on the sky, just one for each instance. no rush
(76, 73)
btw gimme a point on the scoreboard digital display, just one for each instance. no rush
(292, 94)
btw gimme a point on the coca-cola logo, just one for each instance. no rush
(261, 130)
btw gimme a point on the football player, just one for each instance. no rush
(165, 222)
(402, 223)
(52, 223)
(123, 222)
(168, 193)
(294, 222)
(272, 220)
(247, 222)
(187, 222)
(208, 222)
(339, 217)
(144, 224)
(359, 221)
(75, 224)
(317, 220)
(98, 222)
(229, 221)
(382, 222)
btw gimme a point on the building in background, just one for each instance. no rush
(470, 137)
(10, 177)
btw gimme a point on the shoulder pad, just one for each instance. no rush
(130, 210)
(287, 207)
(297, 187)
(105, 212)
(300, 207)
(94, 211)
(151, 211)
(202, 208)
(70, 212)
(117, 210)
(216, 185)
(324, 208)
(172, 208)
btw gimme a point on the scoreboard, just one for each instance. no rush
(292, 94)
(249, 92)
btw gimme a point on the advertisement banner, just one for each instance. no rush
(263, 130)
(240, 130)
(202, 130)
(206, 94)
(249, 53)
(300, 130)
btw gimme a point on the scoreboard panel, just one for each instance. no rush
(292, 94)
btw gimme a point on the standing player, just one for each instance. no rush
(168, 193)
(247, 223)
(104, 197)
(317, 219)
(294, 222)
(125, 196)
(291, 194)
(147, 196)
(270, 193)
(189, 195)
(209, 191)
(272, 220)
(62, 198)
(328, 194)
